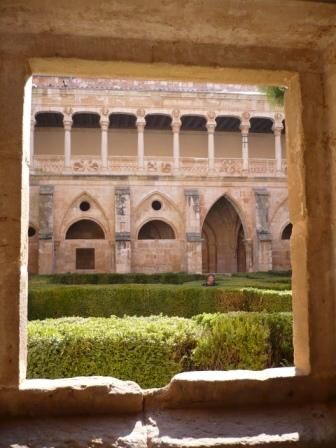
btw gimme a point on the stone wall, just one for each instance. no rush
(278, 43)
(189, 208)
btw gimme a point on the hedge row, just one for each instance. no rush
(150, 350)
(53, 301)
(174, 278)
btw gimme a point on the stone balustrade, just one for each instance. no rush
(128, 165)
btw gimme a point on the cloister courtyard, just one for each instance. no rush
(138, 191)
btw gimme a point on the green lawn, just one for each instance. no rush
(261, 280)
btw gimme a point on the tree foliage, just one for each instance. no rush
(275, 94)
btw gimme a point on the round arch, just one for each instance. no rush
(286, 231)
(48, 118)
(85, 229)
(156, 229)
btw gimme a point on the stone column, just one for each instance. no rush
(67, 123)
(211, 124)
(123, 253)
(176, 125)
(32, 136)
(193, 232)
(264, 236)
(277, 129)
(104, 124)
(141, 123)
(244, 127)
(46, 243)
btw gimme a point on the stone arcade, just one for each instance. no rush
(277, 42)
(120, 169)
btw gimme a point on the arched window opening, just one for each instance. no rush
(49, 120)
(85, 229)
(158, 121)
(31, 231)
(287, 232)
(156, 230)
(193, 123)
(122, 121)
(260, 125)
(227, 124)
(86, 120)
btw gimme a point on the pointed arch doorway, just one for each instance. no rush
(223, 234)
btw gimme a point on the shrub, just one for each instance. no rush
(175, 278)
(150, 350)
(244, 341)
(145, 300)
(146, 350)
(232, 341)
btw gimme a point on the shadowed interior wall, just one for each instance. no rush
(123, 142)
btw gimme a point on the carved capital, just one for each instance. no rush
(211, 115)
(104, 112)
(140, 124)
(176, 125)
(140, 113)
(67, 122)
(176, 114)
(278, 124)
(245, 123)
(104, 123)
(141, 120)
(211, 127)
(67, 110)
(211, 122)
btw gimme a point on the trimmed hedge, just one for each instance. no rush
(53, 301)
(150, 350)
(146, 350)
(174, 278)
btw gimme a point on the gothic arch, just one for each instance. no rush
(237, 207)
(225, 250)
(157, 195)
(169, 213)
(284, 202)
(73, 213)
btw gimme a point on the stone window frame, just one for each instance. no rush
(314, 374)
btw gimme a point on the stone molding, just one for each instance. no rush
(123, 236)
(122, 190)
(193, 237)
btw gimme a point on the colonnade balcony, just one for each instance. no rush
(223, 143)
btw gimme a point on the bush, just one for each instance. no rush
(146, 350)
(238, 341)
(145, 300)
(174, 278)
(244, 341)
(150, 350)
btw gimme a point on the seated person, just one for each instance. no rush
(211, 280)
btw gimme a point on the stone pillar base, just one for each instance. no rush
(194, 254)
(123, 256)
(265, 255)
(46, 257)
